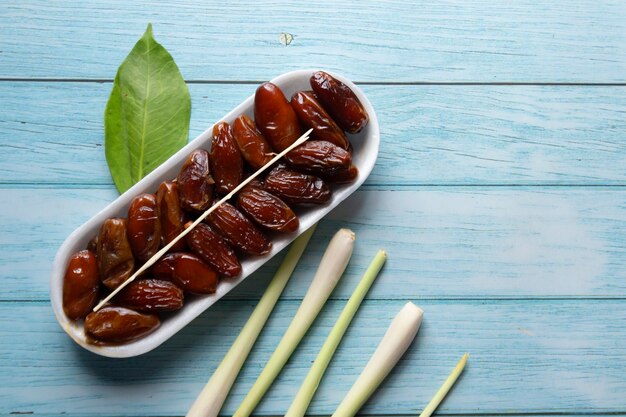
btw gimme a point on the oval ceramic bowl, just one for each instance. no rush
(364, 156)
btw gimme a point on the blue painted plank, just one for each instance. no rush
(481, 40)
(479, 242)
(526, 356)
(52, 133)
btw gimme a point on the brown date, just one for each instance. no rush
(267, 210)
(343, 176)
(319, 158)
(80, 285)
(195, 184)
(226, 162)
(312, 115)
(144, 228)
(187, 271)
(275, 117)
(151, 295)
(238, 230)
(253, 146)
(115, 257)
(254, 183)
(112, 324)
(295, 187)
(340, 101)
(213, 250)
(170, 214)
(92, 245)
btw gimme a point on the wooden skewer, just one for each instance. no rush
(227, 197)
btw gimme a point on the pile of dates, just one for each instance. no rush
(210, 251)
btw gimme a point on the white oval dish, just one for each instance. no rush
(365, 152)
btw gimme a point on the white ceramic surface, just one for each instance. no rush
(365, 151)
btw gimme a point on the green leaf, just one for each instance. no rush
(147, 117)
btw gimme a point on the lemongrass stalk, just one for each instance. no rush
(395, 342)
(311, 382)
(331, 268)
(449, 382)
(214, 393)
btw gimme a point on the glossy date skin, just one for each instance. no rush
(238, 231)
(115, 257)
(170, 214)
(195, 184)
(319, 158)
(253, 146)
(151, 295)
(343, 176)
(144, 227)
(275, 117)
(267, 210)
(213, 250)
(187, 271)
(80, 285)
(225, 159)
(312, 115)
(112, 324)
(340, 101)
(296, 188)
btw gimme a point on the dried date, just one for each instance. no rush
(144, 227)
(267, 210)
(225, 159)
(319, 158)
(340, 101)
(253, 146)
(115, 257)
(151, 295)
(237, 230)
(275, 117)
(312, 115)
(187, 271)
(170, 214)
(80, 285)
(296, 188)
(343, 176)
(112, 324)
(195, 184)
(92, 245)
(213, 250)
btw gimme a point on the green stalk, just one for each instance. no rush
(212, 397)
(311, 382)
(449, 382)
(331, 268)
(394, 343)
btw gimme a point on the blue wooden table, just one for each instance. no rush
(499, 195)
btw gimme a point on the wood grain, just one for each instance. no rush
(479, 41)
(448, 242)
(430, 134)
(564, 355)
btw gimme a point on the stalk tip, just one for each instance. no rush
(349, 232)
